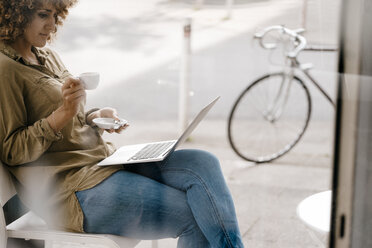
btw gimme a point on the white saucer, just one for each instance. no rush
(109, 123)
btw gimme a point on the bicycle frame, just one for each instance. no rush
(295, 64)
(301, 45)
(275, 110)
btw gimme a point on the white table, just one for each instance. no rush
(315, 211)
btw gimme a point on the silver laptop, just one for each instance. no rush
(155, 151)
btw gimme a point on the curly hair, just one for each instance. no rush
(15, 15)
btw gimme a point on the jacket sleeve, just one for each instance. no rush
(20, 142)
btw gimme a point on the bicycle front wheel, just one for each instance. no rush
(269, 117)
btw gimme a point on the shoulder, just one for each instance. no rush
(5, 61)
(8, 66)
(13, 74)
(11, 77)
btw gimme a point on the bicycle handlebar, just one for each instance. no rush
(292, 33)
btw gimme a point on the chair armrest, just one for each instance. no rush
(30, 226)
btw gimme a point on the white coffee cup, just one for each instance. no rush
(90, 80)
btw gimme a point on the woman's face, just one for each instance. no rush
(42, 25)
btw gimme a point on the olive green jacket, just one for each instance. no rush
(49, 167)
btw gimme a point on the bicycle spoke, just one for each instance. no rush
(270, 118)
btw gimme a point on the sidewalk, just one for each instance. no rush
(136, 48)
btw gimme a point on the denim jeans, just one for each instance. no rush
(184, 196)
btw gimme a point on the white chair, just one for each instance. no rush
(315, 212)
(30, 226)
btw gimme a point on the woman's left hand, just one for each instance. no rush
(107, 112)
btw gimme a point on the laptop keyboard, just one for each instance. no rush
(152, 151)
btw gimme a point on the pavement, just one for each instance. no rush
(136, 47)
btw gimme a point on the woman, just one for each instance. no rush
(51, 146)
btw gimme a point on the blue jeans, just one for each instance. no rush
(183, 196)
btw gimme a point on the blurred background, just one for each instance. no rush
(138, 46)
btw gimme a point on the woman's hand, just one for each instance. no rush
(106, 113)
(73, 93)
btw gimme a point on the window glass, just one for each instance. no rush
(143, 53)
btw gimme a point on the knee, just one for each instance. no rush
(199, 156)
(199, 160)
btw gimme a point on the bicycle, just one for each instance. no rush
(276, 107)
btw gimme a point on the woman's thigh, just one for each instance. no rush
(135, 206)
(183, 168)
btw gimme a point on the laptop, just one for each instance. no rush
(154, 151)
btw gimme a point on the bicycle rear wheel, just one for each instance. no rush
(269, 117)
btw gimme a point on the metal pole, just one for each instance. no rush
(199, 4)
(229, 8)
(185, 76)
(304, 13)
(154, 244)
